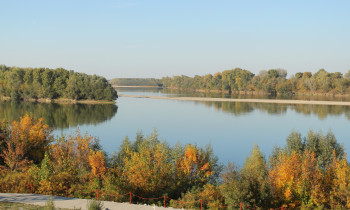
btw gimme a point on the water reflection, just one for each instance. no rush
(59, 116)
(240, 108)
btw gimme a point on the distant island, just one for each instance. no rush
(59, 85)
(150, 82)
(271, 82)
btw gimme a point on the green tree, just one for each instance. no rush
(249, 185)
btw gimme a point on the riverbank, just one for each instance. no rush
(255, 93)
(271, 101)
(61, 101)
(135, 86)
(70, 101)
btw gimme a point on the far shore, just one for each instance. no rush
(271, 101)
(135, 86)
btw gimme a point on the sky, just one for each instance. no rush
(157, 38)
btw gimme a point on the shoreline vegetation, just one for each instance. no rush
(135, 86)
(309, 172)
(60, 100)
(54, 85)
(135, 82)
(271, 82)
(275, 101)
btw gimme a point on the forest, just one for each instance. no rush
(273, 81)
(308, 172)
(44, 83)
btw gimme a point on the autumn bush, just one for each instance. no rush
(309, 172)
(15, 182)
(150, 168)
(210, 195)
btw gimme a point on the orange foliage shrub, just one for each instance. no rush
(15, 182)
(148, 170)
(14, 156)
(25, 141)
(210, 195)
(72, 151)
(34, 135)
(338, 178)
(98, 164)
(296, 179)
(194, 165)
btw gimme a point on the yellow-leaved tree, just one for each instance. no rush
(35, 135)
(296, 179)
(98, 165)
(193, 167)
(338, 183)
(148, 170)
(283, 177)
(26, 141)
(70, 157)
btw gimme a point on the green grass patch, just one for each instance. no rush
(22, 206)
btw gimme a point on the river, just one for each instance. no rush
(232, 128)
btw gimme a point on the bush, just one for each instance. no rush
(94, 205)
(50, 204)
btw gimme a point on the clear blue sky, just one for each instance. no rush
(148, 38)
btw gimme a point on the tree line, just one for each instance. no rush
(309, 172)
(273, 81)
(36, 83)
(136, 82)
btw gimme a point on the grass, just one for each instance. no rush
(94, 205)
(21, 206)
(50, 204)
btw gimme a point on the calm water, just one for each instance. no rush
(231, 128)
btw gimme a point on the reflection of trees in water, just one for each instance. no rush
(238, 108)
(59, 115)
(242, 95)
(323, 111)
